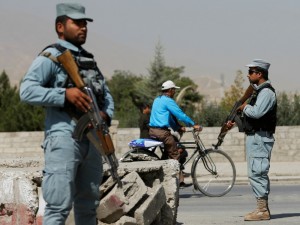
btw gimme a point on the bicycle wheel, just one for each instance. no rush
(139, 155)
(213, 173)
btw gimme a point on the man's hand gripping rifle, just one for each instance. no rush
(104, 143)
(234, 117)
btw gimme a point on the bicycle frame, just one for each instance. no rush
(197, 145)
(201, 150)
(213, 171)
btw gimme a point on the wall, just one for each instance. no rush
(286, 148)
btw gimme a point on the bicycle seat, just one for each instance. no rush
(145, 143)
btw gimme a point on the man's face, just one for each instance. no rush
(254, 75)
(74, 31)
(172, 92)
(147, 110)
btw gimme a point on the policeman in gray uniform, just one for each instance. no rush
(73, 169)
(259, 126)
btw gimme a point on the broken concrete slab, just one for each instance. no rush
(151, 207)
(121, 199)
(18, 198)
(16, 174)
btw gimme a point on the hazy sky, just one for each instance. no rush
(207, 37)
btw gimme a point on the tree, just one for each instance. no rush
(212, 115)
(144, 89)
(15, 115)
(4, 82)
(121, 86)
(150, 86)
(235, 92)
(288, 109)
(296, 110)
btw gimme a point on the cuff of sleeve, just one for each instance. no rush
(61, 97)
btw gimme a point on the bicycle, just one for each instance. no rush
(213, 171)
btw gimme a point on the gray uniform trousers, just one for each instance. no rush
(72, 176)
(258, 152)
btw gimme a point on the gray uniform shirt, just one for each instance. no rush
(43, 85)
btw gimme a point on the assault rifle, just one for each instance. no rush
(102, 141)
(234, 117)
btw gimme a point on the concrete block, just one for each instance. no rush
(110, 209)
(171, 187)
(164, 172)
(16, 214)
(126, 220)
(148, 211)
(18, 198)
(121, 200)
(17, 188)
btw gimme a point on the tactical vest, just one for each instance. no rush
(89, 72)
(267, 122)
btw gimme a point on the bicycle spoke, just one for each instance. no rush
(214, 173)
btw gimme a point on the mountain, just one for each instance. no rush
(213, 89)
(20, 45)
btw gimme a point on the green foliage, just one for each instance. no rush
(235, 92)
(288, 111)
(212, 115)
(121, 86)
(15, 115)
(296, 109)
(149, 87)
(159, 72)
(130, 91)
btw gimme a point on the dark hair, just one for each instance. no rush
(166, 90)
(144, 106)
(60, 19)
(265, 73)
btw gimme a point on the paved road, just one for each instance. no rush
(196, 209)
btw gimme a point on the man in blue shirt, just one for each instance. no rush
(164, 115)
(259, 126)
(73, 169)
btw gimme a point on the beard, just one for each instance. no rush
(76, 40)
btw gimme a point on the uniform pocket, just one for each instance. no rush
(259, 166)
(258, 147)
(55, 187)
(60, 167)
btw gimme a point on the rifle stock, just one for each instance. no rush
(67, 60)
(105, 147)
(233, 116)
(247, 94)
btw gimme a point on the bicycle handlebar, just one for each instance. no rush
(189, 129)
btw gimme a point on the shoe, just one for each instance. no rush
(184, 185)
(257, 215)
(262, 211)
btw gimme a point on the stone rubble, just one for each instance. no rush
(149, 194)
